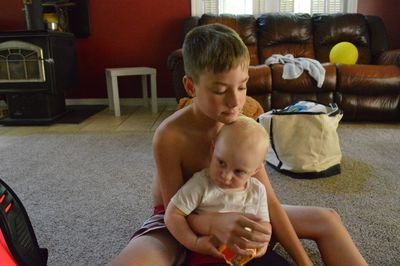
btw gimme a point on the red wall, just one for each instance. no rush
(143, 33)
(389, 11)
(123, 33)
(11, 15)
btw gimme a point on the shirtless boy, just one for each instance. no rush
(216, 66)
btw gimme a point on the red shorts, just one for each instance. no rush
(196, 259)
(155, 222)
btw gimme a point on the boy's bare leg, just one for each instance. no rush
(325, 227)
(156, 248)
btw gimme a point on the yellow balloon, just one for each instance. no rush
(343, 53)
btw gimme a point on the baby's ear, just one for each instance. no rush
(189, 86)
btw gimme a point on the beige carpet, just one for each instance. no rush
(86, 193)
(365, 194)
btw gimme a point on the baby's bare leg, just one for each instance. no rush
(325, 227)
(155, 248)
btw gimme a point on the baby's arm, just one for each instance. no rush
(178, 226)
(187, 199)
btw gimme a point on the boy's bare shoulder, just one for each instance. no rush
(176, 126)
(178, 142)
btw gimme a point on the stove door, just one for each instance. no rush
(21, 62)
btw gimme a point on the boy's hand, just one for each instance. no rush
(230, 229)
(204, 245)
(261, 251)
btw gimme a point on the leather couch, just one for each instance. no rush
(366, 91)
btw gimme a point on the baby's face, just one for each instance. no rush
(231, 168)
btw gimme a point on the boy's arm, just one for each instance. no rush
(179, 228)
(282, 227)
(263, 213)
(166, 147)
(229, 228)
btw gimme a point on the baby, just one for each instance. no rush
(226, 186)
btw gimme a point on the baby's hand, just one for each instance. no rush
(204, 245)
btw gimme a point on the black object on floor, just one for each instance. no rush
(78, 113)
(18, 231)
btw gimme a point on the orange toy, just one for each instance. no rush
(234, 259)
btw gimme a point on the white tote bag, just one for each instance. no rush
(304, 140)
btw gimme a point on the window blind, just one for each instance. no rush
(317, 6)
(211, 6)
(286, 6)
(260, 6)
(228, 6)
(335, 6)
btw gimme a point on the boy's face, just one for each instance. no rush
(221, 96)
(231, 167)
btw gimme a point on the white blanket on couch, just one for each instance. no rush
(294, 67)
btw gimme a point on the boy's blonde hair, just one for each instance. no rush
(213, 47)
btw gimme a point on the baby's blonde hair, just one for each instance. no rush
(246, 133)
(213, 47)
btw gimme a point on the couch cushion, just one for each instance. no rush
(287, 92)
(304, 83)
(282, 99)
(285, 33)
(371, 80)
(334, 28)
(259, 85)
(244, 25)
(369, 92)
(382, 108)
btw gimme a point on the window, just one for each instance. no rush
(312, 6)
(256, 7)
(228, 6)
(225, 6)
(286, 6)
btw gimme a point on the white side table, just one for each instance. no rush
(112, 75)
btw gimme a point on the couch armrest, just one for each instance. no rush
(190, 23)
(391, 57)
(174, 59)
(175, 65)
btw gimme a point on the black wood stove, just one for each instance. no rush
(36, 67)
